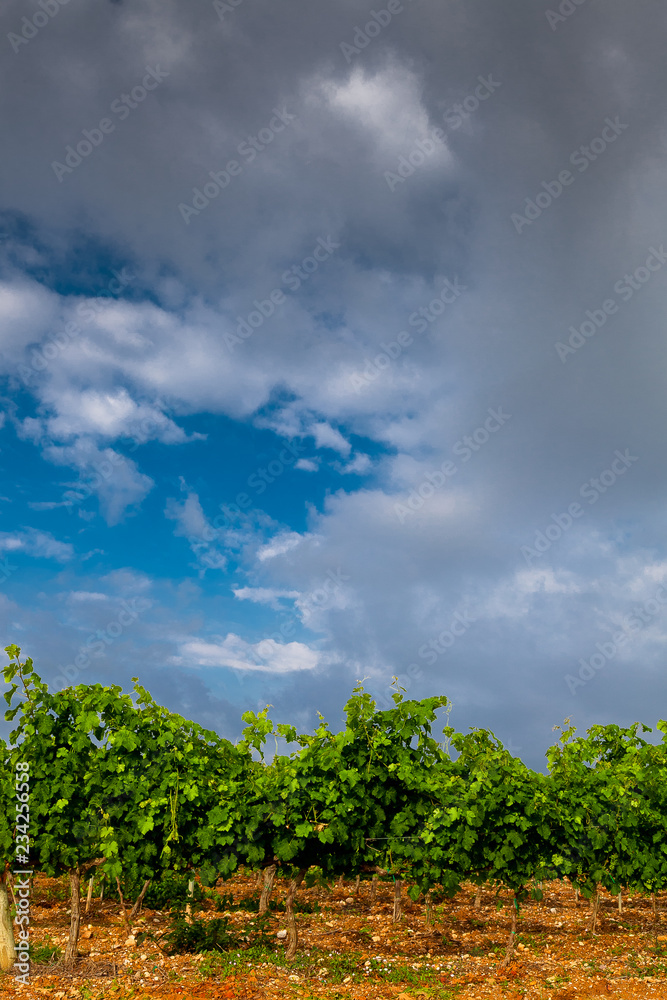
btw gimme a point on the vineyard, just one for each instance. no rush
(111, 790)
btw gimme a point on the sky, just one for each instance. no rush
(332, 347)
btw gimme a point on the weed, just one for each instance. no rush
(42, 954)
(251, 904)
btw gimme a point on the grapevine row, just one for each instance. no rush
(117, 782)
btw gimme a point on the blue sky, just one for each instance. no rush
(332, 347)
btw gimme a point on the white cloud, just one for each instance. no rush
(279, 545)
(307, 465)
(520, 593)
(10, 543)
(191, 521)
(26, 312)
(388, 105)
(38, 544)
(327, 436)
(113, 478)
(48, 504)
(360, 464)
(264, 595)
(205, 541)
(112, 414)
(127, 581)
(267, 656)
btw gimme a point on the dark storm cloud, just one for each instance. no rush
(542, 194)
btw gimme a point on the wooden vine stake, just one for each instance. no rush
(292, 934)
(398, 908)
(123, 911)
(428, 900)
(89, 897)
(594, 904)
(75, 918)
(188, 907)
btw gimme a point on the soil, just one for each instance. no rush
(350, 948)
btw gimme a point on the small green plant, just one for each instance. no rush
(251, 904)
(200, 935)
(401, 973)
(224, 964)
(53, 893)
(170, 890)
(222, 902)
(646, 964)
(215, 935)
(315, 964)
(42, 954)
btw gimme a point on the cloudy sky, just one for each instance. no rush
(333, 347)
